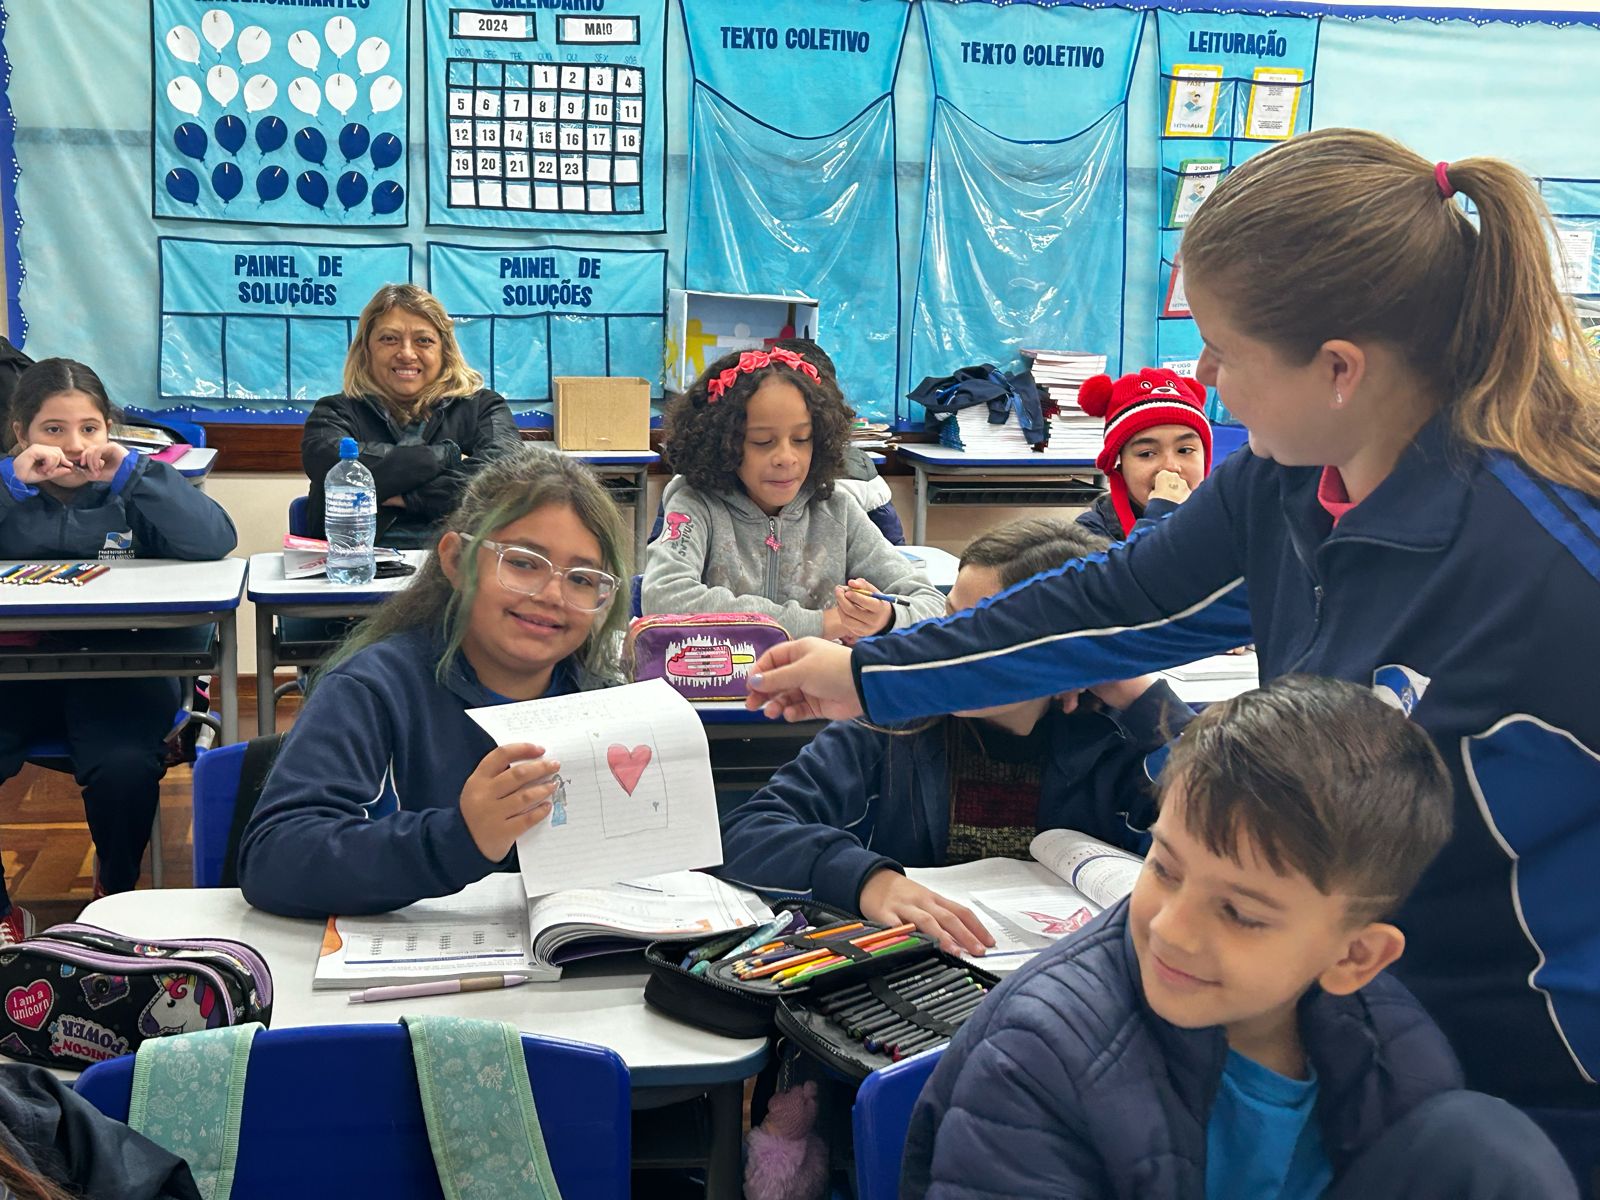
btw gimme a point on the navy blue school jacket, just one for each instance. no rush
(1466, 590)
(1101, 517)
(856, 799)
(1065, 1083)
(148, 510)
(378, 730)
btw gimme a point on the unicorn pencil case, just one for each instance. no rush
(78, 994)
(704, 656)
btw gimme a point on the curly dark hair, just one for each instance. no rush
(704, 442)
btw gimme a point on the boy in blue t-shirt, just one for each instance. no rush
(1228, 1031)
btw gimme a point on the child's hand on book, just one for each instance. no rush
(889, 898)
(507, 795)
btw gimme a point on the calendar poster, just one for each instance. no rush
(280, 113)
(526, 313)
(263, 324)
(547, 118)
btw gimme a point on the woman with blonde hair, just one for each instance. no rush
(1418, 512)
(424, 420)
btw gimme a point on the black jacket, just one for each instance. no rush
(50, 1129)
(427, 465)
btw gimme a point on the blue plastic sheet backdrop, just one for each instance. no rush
(89, 281)
(281, 115)
(792, 170)
(1023, 241)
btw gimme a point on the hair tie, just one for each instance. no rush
(1441, 177)
(754, 360)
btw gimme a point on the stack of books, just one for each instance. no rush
(981, 438)
(1059, 374)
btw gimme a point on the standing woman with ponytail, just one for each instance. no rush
(1417, 513)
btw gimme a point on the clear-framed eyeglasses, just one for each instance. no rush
(527, 572)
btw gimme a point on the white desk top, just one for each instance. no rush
(268, 586)
(939, 565)
(930, 454)
(1211, 680)
(197, 462)
(133, 586)
(614, 458)
(600, 1003)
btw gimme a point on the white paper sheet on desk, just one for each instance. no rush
(636, 796)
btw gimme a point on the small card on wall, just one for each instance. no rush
(1176, 303)
(1197, 179)
(1574, 257)
(1192, 100)
(1274, 103)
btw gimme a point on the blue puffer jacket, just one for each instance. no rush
(148, 510)
(378, 731)
(1102, 518)
(856, 799)
(1066, 1085)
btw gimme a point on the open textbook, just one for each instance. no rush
(1029, 905)
(492, 927)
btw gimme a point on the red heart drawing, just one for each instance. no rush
(29, 1006)
(628, 765)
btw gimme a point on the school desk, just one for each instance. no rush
(947, 476)
(155, 615)
(938, 565)
(196, 464)
(631, 468)
(1212, 680)
(600, 1001)
(276, 597)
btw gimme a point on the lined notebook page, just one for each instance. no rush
(636, 796)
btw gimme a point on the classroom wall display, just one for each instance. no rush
(263, 324)
(525, 314)
(548, 115)
(1024, 230)
(1231, 86)
(791, 184)
(266, 112)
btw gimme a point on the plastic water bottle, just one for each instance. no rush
(350, 513)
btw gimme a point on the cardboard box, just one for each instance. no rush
(703, 326)
(597, 412)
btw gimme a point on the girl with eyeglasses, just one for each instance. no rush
(515, 602)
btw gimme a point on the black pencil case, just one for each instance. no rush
(720, 1003)
(804, 1018)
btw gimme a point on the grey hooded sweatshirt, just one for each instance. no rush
(719, 553)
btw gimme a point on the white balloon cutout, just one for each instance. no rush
(222, 82)
(254, 43)
(373, 55)
(183, 45)
(260, 92)
(305, 95)
(340, 34)
(341, 92)
(217, 29)
(385, 94)
(305, 49)
(184, 95)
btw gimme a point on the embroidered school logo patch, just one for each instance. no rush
(118, 545)
(1399, 687)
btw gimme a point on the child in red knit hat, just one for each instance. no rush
(1157, 447)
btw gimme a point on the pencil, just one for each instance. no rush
(901, 600)
(93, 572)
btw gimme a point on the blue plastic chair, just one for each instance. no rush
(881, 1118)
(299, 522)
(333, 1111)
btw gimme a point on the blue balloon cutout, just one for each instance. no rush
(311, 145)
(190, 140)
(386, 150)
(227, 181)
(313, 188)
(230, 133)
(352, 189)
(387, 198)
(271, 133)
(353, 141)
(272, 183)
(182, 186)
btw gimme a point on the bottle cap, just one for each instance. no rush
(348, 448)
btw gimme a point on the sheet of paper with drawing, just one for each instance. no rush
(1029, 905)
(635, 796)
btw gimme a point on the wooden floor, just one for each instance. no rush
(44, 841)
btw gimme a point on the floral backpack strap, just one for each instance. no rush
(188, 1097)
(478, 1103)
